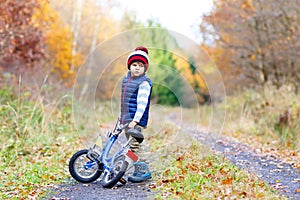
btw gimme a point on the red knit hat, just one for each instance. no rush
(139, 54)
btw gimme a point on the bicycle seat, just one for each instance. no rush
(136, 134)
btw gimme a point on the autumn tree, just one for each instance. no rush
(86, 24)
(21, 43)
(60, 59)
(257, 39)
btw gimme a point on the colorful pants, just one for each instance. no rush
(134, 145)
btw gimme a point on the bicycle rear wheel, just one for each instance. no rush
(109, 179)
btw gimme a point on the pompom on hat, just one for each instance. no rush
(139, 54)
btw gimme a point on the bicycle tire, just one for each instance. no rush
(77, 170)
(109, 179)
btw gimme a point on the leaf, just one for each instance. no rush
(180, 158)
(167, 171)
(227, 181)
(209, 164)
(193, 167)
(260, 195)
(181, 177)
(244, 194)
(168, 180)
(152, 186)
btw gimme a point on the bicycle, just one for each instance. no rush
(87, 165)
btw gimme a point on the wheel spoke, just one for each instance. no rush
(79, 167)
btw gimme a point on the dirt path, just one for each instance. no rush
(74, 190)
(280, 175)
(77, 191)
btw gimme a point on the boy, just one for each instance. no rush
(135, 102)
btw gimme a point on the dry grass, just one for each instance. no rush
(184, 169)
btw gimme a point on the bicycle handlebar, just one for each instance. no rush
(121, 127)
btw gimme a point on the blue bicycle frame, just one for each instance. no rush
(103, 158)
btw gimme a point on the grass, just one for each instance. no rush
(190, 171)
(268, 121)
(37, 140)
(184, 169)
(271, 115)
(199, 175)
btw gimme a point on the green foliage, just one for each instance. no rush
(35, 144)
(167, 88)
(6, 95)
(21, 118)
(167, 82)
(192, 66)
(17, 116)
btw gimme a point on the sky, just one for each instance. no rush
(181, 16)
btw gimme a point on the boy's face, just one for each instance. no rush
(137, 68)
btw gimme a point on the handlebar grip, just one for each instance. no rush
(122, 127)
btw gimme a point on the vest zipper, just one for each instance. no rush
(123, 97)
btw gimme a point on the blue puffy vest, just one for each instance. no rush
(130, 86)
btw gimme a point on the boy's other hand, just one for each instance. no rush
(132, 124)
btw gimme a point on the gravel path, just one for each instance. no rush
(94, 191)
(280, 175)
(74, 190)
(283, 177)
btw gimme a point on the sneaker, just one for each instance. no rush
(141, 173)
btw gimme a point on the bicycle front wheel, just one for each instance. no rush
(109, 179)
(83, 169)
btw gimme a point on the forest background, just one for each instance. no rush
(251, 47)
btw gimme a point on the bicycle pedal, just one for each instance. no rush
(123, 181)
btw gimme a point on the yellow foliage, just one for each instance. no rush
(248, 4)
(253, 57)
(59, 40)
(200, 81)
(196, 80)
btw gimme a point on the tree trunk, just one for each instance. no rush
(76, 20)
(91, 59)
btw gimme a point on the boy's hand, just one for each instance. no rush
(132, 124)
